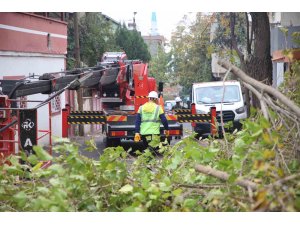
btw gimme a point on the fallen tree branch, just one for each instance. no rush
(272, 91)
(247, 184)
(224, 176)
(283, 180)
(221, 111)
(288, 114)
(261, 99)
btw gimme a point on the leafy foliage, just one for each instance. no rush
(120, 182)
(222, 36)
(189, 47)
(291, 84)
(97, 35)
(159, 66)
(132, 43)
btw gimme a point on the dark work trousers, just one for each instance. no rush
(146, 142)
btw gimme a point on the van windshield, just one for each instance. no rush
(213, 94)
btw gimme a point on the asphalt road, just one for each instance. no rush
(99, 141)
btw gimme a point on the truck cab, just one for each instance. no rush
(227, 95)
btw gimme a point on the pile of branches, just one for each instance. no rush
(287, 112)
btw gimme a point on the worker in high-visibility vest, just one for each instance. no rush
(148, 120)
(178, 104)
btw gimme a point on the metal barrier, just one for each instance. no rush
(97, 117)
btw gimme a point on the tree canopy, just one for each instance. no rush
(98, 35)
(189, 47)
(132, 43)
(159, 66)
(247, 38)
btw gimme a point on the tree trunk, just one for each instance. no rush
(259, 64)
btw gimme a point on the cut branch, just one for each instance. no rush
(268, 89)
(260, 97)
(224, 176)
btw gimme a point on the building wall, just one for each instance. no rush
(285, 19)
(153, 43)
(290, 18)
(22, 32)
(31, 44)
(279, 42)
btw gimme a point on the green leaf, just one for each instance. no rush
(232, 178)
(43, 190)
(139, 195)
(297, 203)
(190, 203)
(32, 159)
(77, 177)
(41, 153)
(257, 133)
(37, 167)
(90, 145)
(126, 189)
(164, 187)
(177, 192)
(153, 197)
(54, 182)
(20, 198)
(14, 160)
(56, 168)
(196, 155)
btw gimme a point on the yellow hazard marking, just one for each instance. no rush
(87, 117)
(86, 122)
(182, 110)
(86, 112)
(193, 115)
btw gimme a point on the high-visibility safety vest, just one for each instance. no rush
(150, 118)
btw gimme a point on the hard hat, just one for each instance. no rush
(178, 99)
(153, 94)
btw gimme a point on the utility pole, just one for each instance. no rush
(77, 58)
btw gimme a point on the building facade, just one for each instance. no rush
(281, 22)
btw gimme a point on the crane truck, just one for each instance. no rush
(122, 85)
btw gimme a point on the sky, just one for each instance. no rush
(168, 12)
(166, 21)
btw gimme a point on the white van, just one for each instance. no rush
(209, 94)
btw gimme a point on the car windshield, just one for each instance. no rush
(209, 95)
